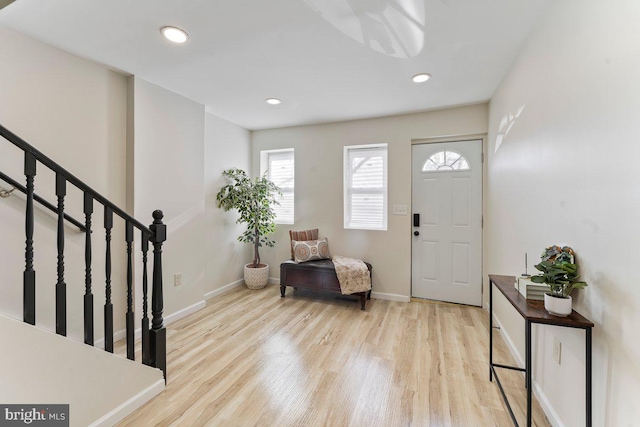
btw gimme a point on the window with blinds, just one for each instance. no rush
(280, 168)
(365, 187)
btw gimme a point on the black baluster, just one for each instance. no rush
(108, 306)
(145, 307)
(61, 286)
(158, 334)
(88, 296)
(29, 276)
(130, 319)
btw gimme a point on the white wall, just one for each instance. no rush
(179, 153)
(318, 186)
(142, 147)
(74, 111)
(168, 174)
(225, 146)
(566, 173)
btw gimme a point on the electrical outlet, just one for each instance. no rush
(557, 349)
(177, 279)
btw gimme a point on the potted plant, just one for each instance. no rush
(560, 274)
(253, 199)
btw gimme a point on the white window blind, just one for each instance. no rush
(365, 187)
(280, 168)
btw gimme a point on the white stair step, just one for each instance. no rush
(37, 366)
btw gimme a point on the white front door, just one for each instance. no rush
(447, 222)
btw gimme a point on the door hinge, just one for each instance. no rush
(482, 221)
(482, 157)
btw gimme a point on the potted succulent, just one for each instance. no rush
(560, 273)
(253, 199)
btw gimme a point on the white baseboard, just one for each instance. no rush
(274, 281)
(173, 317)
(223, 289)
(119, 413)
(544, 402)
(390, 297)
(548, 410)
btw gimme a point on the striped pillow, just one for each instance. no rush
(310, 250)
(302, 236)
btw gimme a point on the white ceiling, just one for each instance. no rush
(328, 60)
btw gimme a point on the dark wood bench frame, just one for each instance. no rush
(316, 275)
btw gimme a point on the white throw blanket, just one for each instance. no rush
(353, 275)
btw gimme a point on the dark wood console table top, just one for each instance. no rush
(534, 312)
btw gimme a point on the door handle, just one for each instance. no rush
(416, 233)
(416, 220)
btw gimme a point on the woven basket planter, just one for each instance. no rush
(256, 278)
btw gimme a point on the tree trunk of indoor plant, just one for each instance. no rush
(256, 245)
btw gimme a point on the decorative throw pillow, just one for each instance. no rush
(302, 236)
(310, 250)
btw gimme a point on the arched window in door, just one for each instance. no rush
(444, 161)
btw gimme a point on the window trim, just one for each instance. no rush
(264, 164)
(346, 186)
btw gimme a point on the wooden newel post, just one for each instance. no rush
(158, 333)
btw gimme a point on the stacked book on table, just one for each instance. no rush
(530, 290)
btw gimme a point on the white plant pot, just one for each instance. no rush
(256, 278)
(560, 307)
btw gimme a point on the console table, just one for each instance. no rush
(534, 312)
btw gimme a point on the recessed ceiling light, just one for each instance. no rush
(174, 34)
(421, 78)
(273, 101)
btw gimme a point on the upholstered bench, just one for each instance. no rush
(319, 275)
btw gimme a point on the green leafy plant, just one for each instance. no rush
(253, 199)
(560, 275)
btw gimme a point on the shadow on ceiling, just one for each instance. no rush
(395, 28)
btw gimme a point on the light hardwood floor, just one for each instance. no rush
(251, 358)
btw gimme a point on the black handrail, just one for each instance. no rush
(6, 178)
(28, 148)
(154, 349)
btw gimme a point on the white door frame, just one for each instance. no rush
(454, 138)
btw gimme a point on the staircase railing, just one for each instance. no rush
(154, 335)
(17, 186)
